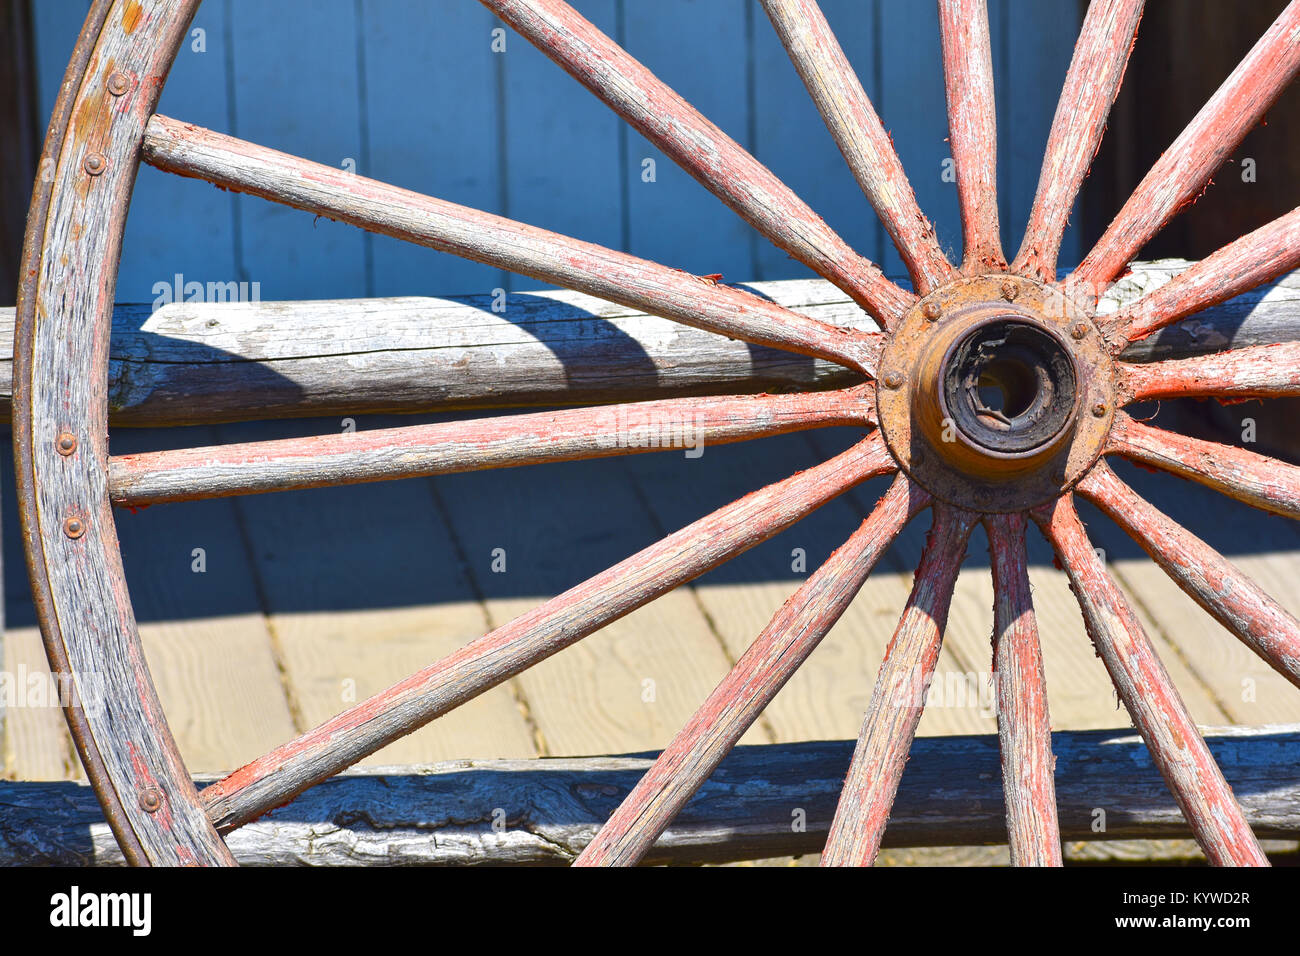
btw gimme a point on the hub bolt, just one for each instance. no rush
(1099, 410)
(931, 311)
(893, 380)
(1079, 329)
(1009, 291)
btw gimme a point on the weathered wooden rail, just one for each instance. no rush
(762, 801)
(200, 362)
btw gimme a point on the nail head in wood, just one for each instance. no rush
(118, 83)
(95, 163)
(74, 527)
(66, 443)
(150, 799)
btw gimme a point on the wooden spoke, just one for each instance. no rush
(1175, 745)
(1024, 728)
(760, 673)
(689, 424)
(861, 137)
(1096, 72)
(378, 207)
(972, 129)
(1238, 267)
(1235, 601)
(1185, 167)
(700, 148)
(277, 777)
(1258, 480)
(898, 697)
(1261, 371)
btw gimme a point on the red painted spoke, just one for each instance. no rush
(1260, 371)
(1024, 728)
(760, 673)
(277, 777)
(1096, 71)
(1252, 260)
(1175, 745)
(189, 474)
(700, 148)
(898, 697)
(1234, 600)
(1186, 166)
(378, 207)
(861, 137)
(972, 128)
(1258, 480)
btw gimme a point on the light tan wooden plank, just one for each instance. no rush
(37, 745)
(201, 622)
(628, 687)
(335, 658)
(219, 687)
(364, 587)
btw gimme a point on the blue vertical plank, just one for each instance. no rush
(697, 47)
(56, 24)
(295, 87)
(180, 225)
(430, 109)
(914, 109)
(792, 139)
(1038, 38)
(561, 145)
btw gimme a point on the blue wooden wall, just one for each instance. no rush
(412, 93)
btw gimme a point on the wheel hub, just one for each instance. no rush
(995, 393)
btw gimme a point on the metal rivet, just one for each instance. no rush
(118, 83)
(893, 380)
(1079, 329)
(95, 163)
(1009, 291)
(150, 799)
(66, 443)
(74, 527)
(931, 311)
(1099, 410)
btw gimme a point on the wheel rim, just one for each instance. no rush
(1038, 340)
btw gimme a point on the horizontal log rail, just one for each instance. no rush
(950, 795)
(203, 362)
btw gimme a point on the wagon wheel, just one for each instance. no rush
(984, 324)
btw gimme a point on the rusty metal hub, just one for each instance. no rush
(995, 392)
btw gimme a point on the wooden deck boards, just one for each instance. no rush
(309, 598)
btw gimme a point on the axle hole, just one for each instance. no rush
(1008, 387)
